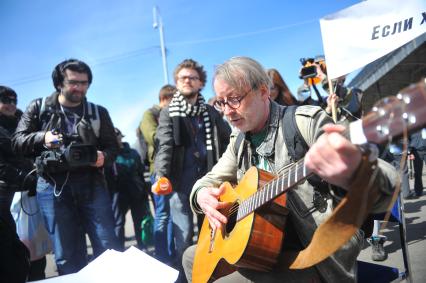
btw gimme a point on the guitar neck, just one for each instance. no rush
(291, 176)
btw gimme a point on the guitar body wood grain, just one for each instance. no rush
(254, 241)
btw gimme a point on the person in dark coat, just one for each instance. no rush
(192, 136)
(129, 191)
(418, 156)
(14, 169)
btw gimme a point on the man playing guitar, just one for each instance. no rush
(242, 88)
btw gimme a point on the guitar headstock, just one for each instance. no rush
(393, 115)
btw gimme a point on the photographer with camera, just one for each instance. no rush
(72, 139)
(312, 73)
(346, 100)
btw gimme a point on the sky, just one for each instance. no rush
(118, 41)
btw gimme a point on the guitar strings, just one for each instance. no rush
(235, 208)
(299, 164)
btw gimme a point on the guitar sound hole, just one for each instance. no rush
(232, 218)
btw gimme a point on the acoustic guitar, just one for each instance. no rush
(254, 233)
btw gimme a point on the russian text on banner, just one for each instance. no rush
(364, 32)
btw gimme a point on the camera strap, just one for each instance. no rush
(72, 124)
(320, 99)
(71, 120)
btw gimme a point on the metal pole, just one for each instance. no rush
(159, 24)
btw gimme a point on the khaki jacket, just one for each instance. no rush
(309, 119)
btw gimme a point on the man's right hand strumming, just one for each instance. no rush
(208, 200)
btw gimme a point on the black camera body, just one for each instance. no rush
(75, 155)
(309, 69)
(308, 72)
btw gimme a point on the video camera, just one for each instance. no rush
(309, 70)
(73, 156)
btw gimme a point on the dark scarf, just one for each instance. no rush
(179, 107)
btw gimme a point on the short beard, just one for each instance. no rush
(73, 98)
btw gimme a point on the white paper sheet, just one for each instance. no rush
(132, 265)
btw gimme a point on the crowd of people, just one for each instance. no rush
(86, 178)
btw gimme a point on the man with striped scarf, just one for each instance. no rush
(191, 137)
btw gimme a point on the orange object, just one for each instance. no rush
(314, 81)
(163, 186)
(318, 63)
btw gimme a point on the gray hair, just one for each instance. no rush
(240, 72)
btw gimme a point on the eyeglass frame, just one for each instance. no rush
(190, 78)
(217, 104)
(74, 83)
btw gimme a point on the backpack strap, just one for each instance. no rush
(46, 111)
(155, 112)
(42, 108)
(296, 144)
(237, 144)
(43, 105)
(238, 141)
(297, 148)
(92, 112)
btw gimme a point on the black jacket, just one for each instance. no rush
(14, 170)
(170, 157)
(13, 167)
(29, 135)
(14, 256)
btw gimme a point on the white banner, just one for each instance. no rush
(362, 33)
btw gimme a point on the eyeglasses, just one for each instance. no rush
(232, 102)
(191, 78)
(8, 100)
(73, 83)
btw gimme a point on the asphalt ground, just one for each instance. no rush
(415, 234)
(415, 224)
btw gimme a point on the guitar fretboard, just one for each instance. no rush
(288, 179)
